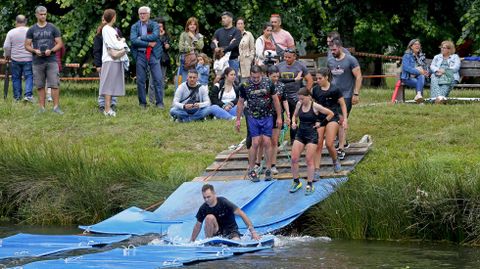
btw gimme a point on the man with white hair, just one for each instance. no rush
(15, 51)
(147, 51)
(43, 41)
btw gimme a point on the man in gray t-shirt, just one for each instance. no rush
(43, 41)
(347, 77)
(292, 74)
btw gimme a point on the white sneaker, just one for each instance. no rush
(418, 99)
(274, 170)
(110, 113)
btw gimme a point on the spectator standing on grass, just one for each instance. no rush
(280, 36)
(190, 42)
(203, 68)
(164, 60)
(414, 68)
(228, 38)
(264, 45)
(347, 77)
(43, 40)
(246, 50)
(97, 62)
(14, 48)
(445, 67)
(330, 37)
(147, 52)
(112, 76)
(191, 101)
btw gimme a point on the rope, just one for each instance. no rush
(237, 149)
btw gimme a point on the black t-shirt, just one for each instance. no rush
(223, 212)
(328, 98)
(43, 38)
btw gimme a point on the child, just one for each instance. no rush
(203, 68)
(220, 64)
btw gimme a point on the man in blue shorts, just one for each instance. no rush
(218, 213)
(262, 99)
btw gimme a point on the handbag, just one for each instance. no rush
(165, 59)
(189, 60)
(116, 54)
(446, 78)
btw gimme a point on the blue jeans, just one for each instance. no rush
(19, 69)
(156, 78)
(221, 113)
(416, 83)
(183, 116)
(101, 101)
(235, 64)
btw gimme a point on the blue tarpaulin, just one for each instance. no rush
(30, 245)
(145, 257)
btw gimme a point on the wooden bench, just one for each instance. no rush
(470, 69)
(311, 65)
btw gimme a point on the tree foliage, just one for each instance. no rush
(368, 25)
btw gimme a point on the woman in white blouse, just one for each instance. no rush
(112, 80)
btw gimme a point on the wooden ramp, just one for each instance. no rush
(232, 164)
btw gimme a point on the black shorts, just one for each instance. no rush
(275, 121)
(348, 103)
(306, 136)
(229, 234)
(335, 118)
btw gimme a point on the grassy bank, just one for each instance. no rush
(419, 181)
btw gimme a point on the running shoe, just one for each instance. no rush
(268, 175)
(274, 170)
(295, 186)
(309, 189)
(337, 167)
(252, 176)
(110, 113)
(316, 176)
(341, 154)
(58, 110)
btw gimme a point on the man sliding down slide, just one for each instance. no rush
(219, 215)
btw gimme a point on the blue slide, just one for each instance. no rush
(181, 206)
(31, 245)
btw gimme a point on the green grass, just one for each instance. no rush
(420, 180)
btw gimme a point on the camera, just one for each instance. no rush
(270, 57)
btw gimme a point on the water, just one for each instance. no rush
(323, 252)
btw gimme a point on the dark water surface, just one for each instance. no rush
(308, 252)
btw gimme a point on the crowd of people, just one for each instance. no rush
(259, 80)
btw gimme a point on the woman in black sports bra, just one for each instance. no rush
(306, 136)
(330, 97)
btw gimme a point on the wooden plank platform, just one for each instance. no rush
(232, 164)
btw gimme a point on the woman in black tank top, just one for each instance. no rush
(332, 98)
(306, 137)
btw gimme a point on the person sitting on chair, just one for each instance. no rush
(219, 216)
